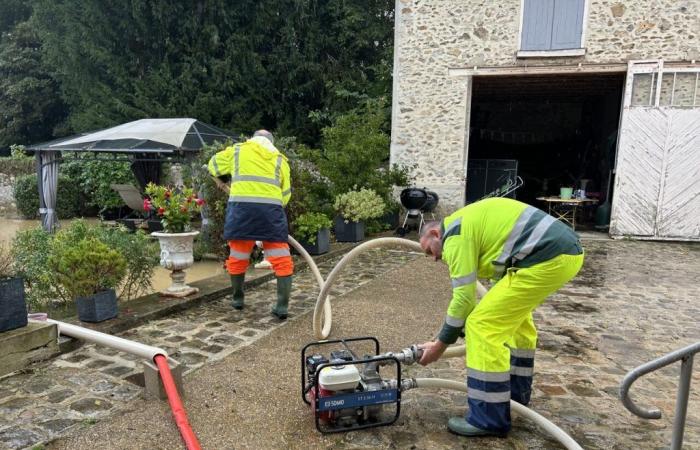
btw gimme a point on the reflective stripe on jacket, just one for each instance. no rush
(484, 239)
(259, 174)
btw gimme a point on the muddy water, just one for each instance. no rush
(161, 278)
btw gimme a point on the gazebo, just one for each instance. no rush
(146, 143)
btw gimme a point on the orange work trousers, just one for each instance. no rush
(276, 252)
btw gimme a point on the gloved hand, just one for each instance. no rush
(432, 351)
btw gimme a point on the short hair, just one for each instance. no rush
(429, 225)
(266, 134)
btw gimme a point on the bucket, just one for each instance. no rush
(565, 193)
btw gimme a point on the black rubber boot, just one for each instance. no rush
(237, 287)
(284, 291)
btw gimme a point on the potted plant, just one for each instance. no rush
(13, 308)
(175, 207)
(353, 207)
(313, 232)
(88, 272)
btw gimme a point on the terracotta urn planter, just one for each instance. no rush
(176, 255)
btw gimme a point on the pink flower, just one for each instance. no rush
(199, 201)
(147, 204)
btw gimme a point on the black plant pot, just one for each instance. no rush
(154, 225)
(99, 307)
(322, 245)
(348, 232)
(13, 309)
(130, 224)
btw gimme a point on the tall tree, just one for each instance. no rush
(30, 103)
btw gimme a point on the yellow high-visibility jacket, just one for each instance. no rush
(486, 238)
(260, 188)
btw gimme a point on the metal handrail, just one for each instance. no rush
(685, 355)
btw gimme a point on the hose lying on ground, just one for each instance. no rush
(176, 406)
(551, 429)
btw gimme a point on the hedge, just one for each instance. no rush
(70, 199)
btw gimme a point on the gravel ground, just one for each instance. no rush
(251, 399)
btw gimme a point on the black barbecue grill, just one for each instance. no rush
(417, 202)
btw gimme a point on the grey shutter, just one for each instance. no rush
(568, 24)
(537, 25)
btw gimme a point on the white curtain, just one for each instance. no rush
(48, 185)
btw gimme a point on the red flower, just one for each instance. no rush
(183, 209)
(161, 211)
(147, 204)
(189, 199)
(167, 194)
(199, 201)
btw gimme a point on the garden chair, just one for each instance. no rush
(132, 198)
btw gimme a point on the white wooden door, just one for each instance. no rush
(657, 184)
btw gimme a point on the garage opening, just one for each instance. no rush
(552, 131)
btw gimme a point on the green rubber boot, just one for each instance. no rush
(459, 425)
(237, 287)
(284, 291)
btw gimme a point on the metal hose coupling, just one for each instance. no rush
(408, 356)
(406, 384)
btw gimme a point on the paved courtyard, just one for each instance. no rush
(632, 302)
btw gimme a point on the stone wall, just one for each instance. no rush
(430, 116)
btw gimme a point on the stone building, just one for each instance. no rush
(556, 92)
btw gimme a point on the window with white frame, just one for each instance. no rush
(552, 26)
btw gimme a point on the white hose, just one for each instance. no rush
(319, 279)
(322, 327)
(144, 351)
(551, 429)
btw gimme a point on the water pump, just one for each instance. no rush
(347, 392)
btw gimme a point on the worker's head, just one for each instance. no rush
(431, 239)
(266, 134)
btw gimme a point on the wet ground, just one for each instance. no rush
(632, 302)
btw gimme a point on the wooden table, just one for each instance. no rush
(564, 209)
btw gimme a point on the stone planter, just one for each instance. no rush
(97, 308)
(348, 232)
(13, 309)
(322, 244)
(176, 256)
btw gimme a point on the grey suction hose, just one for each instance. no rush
(551, 429)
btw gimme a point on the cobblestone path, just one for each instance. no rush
(48, 399)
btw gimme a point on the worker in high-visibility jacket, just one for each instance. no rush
(531, 254)
(260, 189)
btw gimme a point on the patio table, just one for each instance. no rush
(564, 209)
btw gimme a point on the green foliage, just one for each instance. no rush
(69, 203)
(140, 252)
(15, 166)
(86, 268)
(356, 206)
(174, 206)
(29, 95)
(30, 252)
(6, 266)
(307, 225)
(95, 178)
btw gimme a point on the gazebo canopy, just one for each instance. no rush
(165, 136)
(146, 142)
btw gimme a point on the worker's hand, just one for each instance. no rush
(432, 351)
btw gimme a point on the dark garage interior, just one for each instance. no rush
(554, 130)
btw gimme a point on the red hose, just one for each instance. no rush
(179, 413)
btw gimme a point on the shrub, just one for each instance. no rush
(87, 267)
(30, 251)
(355, 206)
(96, 177)
(6, 269)
(69, 203)
(308, 224)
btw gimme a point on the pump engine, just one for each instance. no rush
(347, 392)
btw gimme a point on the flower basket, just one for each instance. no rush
(98, 307)
(13, 309)
(353, 208)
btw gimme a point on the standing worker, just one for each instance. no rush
(260, 189)
(531, 254)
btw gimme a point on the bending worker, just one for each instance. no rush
(260, 188)
(531, 254)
